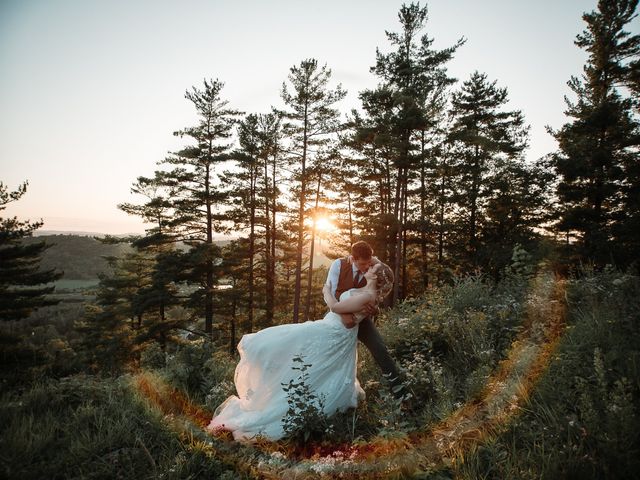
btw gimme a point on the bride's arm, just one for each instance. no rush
(353, 304)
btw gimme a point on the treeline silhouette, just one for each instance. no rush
(431, 170)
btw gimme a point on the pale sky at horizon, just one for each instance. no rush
(91, 92)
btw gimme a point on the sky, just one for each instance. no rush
(92, 91)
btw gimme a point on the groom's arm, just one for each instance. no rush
(333, 275)
(329, 299)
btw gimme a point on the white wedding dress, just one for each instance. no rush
(266, 361)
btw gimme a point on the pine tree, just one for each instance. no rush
(598, 149)
(23, 286)
(110, 324)
(270, 127)
(253, 194)
(230, 299)
(405, 109)
(516, 212)
(243, 183)
(310, 123)
(482, 134)
(159, 242)
(195, 190)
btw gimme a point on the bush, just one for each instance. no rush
(201, 371)
(305, 419)
(152, 357)
(450, 340)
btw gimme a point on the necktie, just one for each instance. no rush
(356, 281)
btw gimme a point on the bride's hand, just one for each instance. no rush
(348, 320)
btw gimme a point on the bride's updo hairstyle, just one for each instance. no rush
(384, 283)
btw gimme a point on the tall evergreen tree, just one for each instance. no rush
(195, 188)
(311, 120)
(158, 245)
(23, 286)
(111, 323)
(270, 128)
(414, 82)
(483, 133)
(516, 212)
(243, 183)
(253, 195)
(597, 159)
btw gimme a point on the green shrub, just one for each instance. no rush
(305, 419)
(198, 369)
(152, 357)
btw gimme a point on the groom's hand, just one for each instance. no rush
(371, 308)
(348, 320)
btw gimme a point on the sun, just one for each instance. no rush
(323, 224)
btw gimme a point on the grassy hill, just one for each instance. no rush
(82, 257)
(79, 257)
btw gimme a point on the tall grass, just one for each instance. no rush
(580, 422)
(583, 419)
(88, 428)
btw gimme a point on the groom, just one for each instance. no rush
(346, 273)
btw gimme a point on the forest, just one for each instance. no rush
(514, 317)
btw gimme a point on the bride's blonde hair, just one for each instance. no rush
(384, 281)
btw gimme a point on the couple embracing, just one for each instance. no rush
(355, 286)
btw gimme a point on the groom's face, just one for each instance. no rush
(362, 264)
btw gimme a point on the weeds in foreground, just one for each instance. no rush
(305, 419)
(87, 427)
(582, 420)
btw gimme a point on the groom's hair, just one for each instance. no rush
(361, 250)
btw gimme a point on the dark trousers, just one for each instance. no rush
(369, 335)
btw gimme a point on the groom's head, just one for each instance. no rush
(362, 253)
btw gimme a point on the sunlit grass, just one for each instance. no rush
(426, 448)
(154, 422)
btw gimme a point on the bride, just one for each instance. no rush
(266, 361)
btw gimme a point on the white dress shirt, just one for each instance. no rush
(334, 274)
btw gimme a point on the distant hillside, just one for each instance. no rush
(79, 257)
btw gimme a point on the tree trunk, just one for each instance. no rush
(313, 242)
(475, 186)
(252, 221)
(267, 247)
(303, 193)
(399, 204)
(272, 272)
(232, 340)
(208, 303)
(441, 217)
(351, 240)
(403, 292)
(423, 215)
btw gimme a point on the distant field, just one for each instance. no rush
(65, 284)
